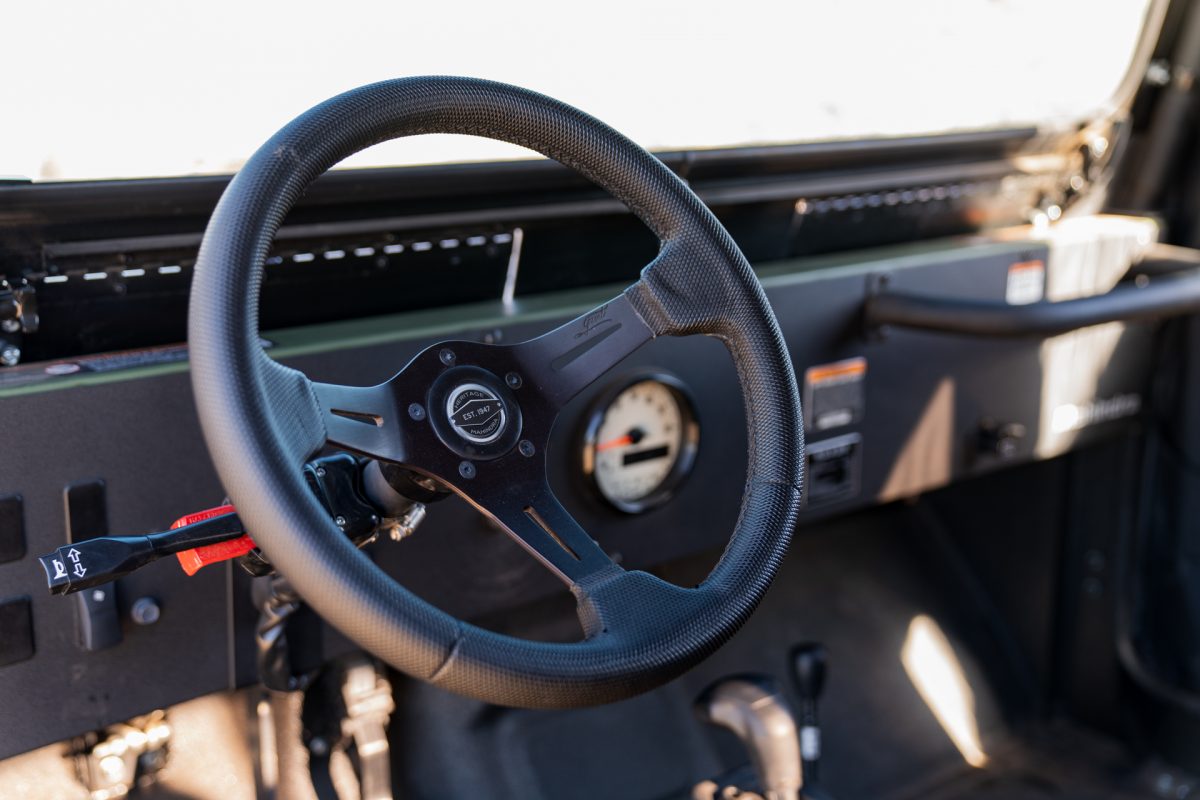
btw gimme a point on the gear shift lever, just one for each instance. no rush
(808, 668)
(755, 710)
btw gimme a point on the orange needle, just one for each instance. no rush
(620, 441)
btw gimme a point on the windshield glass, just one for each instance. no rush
(139, 88)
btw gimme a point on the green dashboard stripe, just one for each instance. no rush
(432, 323)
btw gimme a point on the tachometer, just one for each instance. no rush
(641, 442)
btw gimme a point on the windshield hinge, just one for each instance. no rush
(18, 317)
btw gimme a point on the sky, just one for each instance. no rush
(126, 88)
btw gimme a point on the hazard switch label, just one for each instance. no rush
(834, 394)
(1026, 283)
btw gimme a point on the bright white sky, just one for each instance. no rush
(124, 88)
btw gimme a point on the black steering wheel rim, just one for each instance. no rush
(260, 419)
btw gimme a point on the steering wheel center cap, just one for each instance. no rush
(476, 413)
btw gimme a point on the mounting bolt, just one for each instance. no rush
(320, 472)
(467, 470)
(447, 356)
(113, 769)
(416, 411)
(340, 521)
(526, 448)
(145, 611)
(10, 356)
(513, 380)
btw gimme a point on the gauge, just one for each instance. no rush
(641, 442)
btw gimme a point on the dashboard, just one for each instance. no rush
(101, 433)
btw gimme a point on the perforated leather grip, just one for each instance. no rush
(258, 418)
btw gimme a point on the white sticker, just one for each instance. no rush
(833, 394)
(1026, 283)
(810, 743)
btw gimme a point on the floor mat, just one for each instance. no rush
(859, 585)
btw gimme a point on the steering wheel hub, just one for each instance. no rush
(474, 413)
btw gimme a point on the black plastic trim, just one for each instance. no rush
(144, 199)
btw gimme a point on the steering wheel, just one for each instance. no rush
(478, 417)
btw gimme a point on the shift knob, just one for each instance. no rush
(808, 668)
(755, 710)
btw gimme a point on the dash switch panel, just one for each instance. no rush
(97, 620)
(12, 528)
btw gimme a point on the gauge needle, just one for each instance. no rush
(633, 437)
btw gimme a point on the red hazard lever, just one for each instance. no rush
(192, 560)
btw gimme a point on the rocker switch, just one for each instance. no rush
(97, 622)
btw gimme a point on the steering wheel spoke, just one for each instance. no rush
(365, 420)
(537, 521)
(565, 361)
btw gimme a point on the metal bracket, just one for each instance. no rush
(18, 316)
(877, 283)
(369, 705)
(128, 754)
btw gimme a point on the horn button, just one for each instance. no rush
(474, 413)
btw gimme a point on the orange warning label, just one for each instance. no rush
(833, 394)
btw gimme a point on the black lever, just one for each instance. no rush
(809, 662)
(91, 562)
(359, 503)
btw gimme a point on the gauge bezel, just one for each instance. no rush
(685, 461)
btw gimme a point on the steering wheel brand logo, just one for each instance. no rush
(594, 320)
(476, 413)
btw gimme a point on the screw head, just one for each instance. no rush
(446, 356)
(467, 470)
(320, 472)
(526, 448)
(113, 768)
(10, 325)
(10, 356)
(416, 411)
(513, 380)
(145, 611)
(340, 521)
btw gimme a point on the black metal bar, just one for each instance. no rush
(1165, 296)
(91, 562)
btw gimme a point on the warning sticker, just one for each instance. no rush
(833, 394)
(1026, 283)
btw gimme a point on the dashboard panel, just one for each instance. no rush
(892, 414)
